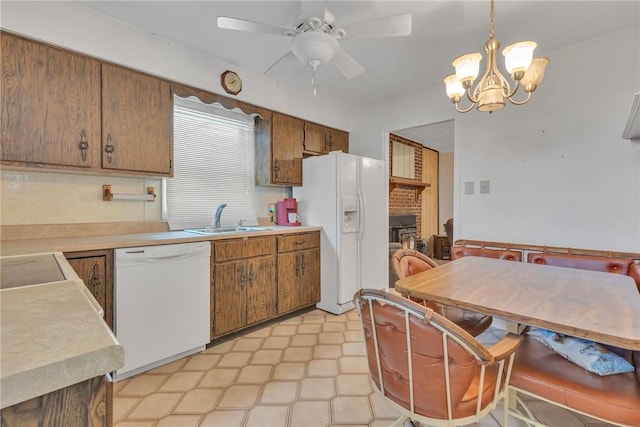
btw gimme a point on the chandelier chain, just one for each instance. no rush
(492, 14)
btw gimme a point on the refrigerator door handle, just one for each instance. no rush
(361, 214)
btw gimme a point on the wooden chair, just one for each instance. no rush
(429, 369)
(407, 262)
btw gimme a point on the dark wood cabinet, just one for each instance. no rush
(137, 122)
(279, 140)
(243, 285)
(298, 271)
(86, 404)
(95, 268)
(64, 110)
(322, 140)
(50, 106)
(281, 143)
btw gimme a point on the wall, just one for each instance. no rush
(36, 198)
(559, 170)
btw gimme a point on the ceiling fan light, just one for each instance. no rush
(518, 56)
(467, 67)
(314, 46)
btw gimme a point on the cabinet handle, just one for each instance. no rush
(109, 148)
(251, 275)
(243, 277)
(83, 145)
(300, 242)
(327, 143)
(297, 263)
(303, 265)
(276, 168)
(95, 281)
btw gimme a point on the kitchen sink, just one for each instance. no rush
(218, 230)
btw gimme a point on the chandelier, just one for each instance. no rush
(491, 90)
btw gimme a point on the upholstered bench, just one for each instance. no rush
(540, 372)
(506, 254)
(614, 265)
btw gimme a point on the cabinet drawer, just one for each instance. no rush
(296, 242)
(244, 248)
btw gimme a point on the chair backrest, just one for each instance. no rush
(506, 254)
(437, 371)
(407, 262)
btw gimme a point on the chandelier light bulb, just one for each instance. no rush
(518, 56)
(454, 87)
(467, 67)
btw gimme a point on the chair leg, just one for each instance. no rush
(400, 421)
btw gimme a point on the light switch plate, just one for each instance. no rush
(468, 187)
(484, 187)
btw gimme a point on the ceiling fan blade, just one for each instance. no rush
(347, 65)
(391, 26)
(286, 58)
(256, 27)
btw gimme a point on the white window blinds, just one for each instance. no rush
(213, 164)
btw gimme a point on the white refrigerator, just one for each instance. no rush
(346, 195)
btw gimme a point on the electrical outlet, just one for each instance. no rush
(468, 187)
(484, 187)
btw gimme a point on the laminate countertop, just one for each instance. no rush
(87, 243)
(52, 334)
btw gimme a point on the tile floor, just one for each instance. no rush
(309, 370)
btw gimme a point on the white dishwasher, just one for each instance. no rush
(161, 304)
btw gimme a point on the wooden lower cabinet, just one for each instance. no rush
(86, 404)
(95, 268)
(243, 285)
(298, 271)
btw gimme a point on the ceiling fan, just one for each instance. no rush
(316, 40)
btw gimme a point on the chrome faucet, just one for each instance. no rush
(219, 214)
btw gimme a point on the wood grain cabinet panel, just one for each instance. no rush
(279, 146)
(243, 285)
(137, 121)
(64, 110)
(86, 404)
(320, 140)
(50, 106)
(95, 268)
(298, 271)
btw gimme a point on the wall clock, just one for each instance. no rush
(231, 82)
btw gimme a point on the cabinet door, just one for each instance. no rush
(288, 280)
(137, 122)
(95, 269)
(261, 289)
(338, 140)
(230, 296)
(50, 105)
(287, 135)
(309, 291)
(315, 138)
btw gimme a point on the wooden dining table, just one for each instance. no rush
(603, 307)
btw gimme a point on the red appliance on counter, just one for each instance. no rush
(288, 212)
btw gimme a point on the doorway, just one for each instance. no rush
(435, 161)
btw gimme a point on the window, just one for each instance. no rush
(213, 164)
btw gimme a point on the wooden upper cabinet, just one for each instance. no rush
(338, 140)
(279, 140)
(287, 136)
(137, 122)
(321, 140)
(50, 105)
(315, 138)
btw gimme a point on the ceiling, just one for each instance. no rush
(441, 30)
